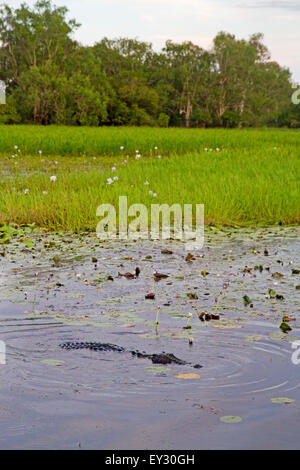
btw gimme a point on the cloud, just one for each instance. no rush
(282, 4)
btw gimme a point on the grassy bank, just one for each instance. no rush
(249, 177)
(73, 141)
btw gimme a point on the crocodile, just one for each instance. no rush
(162, 358)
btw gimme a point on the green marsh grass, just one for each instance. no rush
(62, 140)
(253, 179)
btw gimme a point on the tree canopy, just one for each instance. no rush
(52, 79)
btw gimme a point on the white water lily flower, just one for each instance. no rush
(53, 178)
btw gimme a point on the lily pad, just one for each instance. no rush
(52, 362)
(282, 400)
(156, 370)
(73, 295)
(281, 336)
(231, 419)
(187, 376)
(253, 338)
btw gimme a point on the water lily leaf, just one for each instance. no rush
(52, 362)
(277, 275)
(73, 295)
(231, 419)
(282, 400)
(272, 294)
(192, 295)
(147, 336)
(157, 370)
(224, 326)
(282, 336)
(247, 300)
(285, 327)
(187, 376)
(253, 338)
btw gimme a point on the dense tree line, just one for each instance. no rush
(52, 79)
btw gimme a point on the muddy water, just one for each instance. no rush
(55, 398)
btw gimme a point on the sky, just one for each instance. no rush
(198, 21)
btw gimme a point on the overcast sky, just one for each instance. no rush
(195, 20)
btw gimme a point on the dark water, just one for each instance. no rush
(53, 398)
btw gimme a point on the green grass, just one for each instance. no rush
(73, 141)
(247, 182)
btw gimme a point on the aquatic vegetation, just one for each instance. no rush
(231, 419)
(187, 376)
(64, 195)
(282, 400)
(243, 354)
